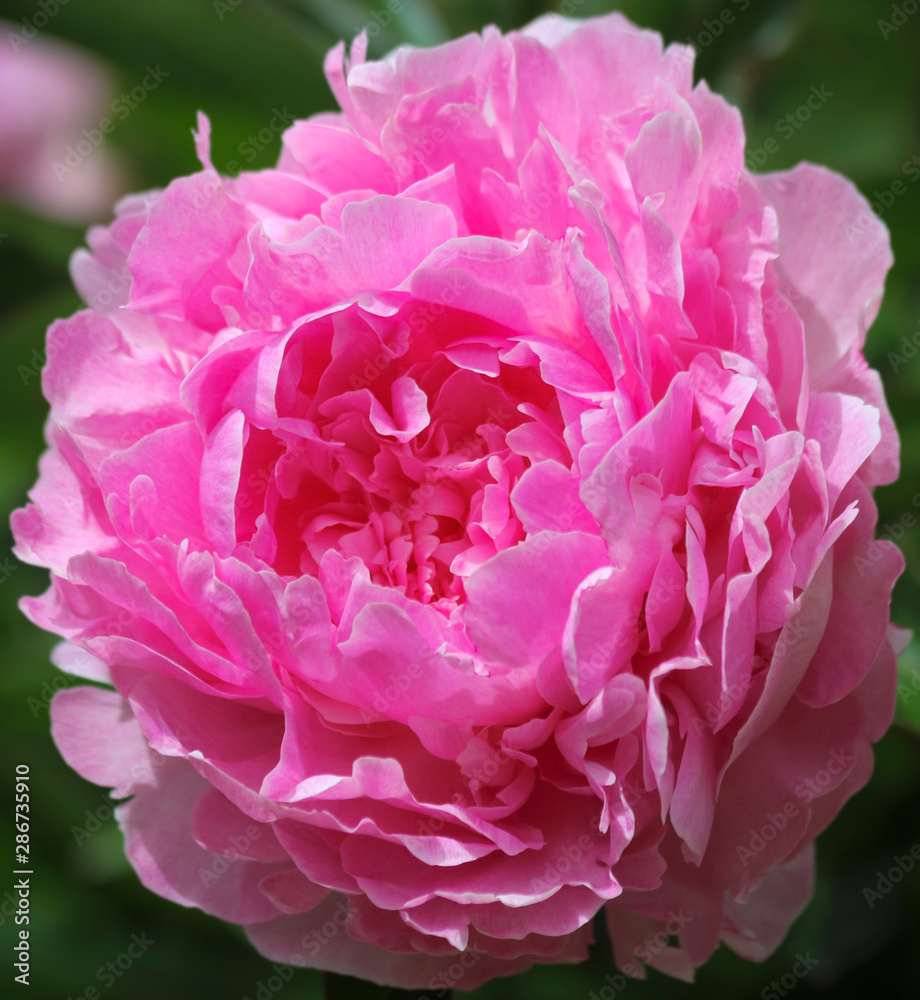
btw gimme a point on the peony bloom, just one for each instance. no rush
(472, 517)
(52, 99)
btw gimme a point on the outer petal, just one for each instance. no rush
(834, 254)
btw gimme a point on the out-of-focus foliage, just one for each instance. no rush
(243, 60)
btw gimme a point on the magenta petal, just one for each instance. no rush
(175, 866)
(834, 255)
(121, 760)
(518, 603)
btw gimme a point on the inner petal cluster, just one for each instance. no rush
(408, 465)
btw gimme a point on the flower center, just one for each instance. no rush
(413, 476)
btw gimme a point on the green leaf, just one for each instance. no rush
(907, 711)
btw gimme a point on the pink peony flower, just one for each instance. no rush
(51, 96)
(473, 518)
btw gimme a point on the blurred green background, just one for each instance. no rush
(239, 63)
